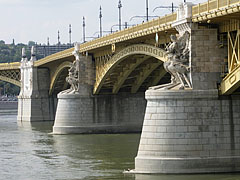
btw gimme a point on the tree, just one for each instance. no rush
(31, 43)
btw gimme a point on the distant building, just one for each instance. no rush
(46, 50)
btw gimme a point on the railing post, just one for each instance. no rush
(217, 4)
(238, 36)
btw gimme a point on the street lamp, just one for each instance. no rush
(58, 41)
(84, 25)
(143, 17)
(168, 7)
(58, 38)
(70, 32)
(119, 7)
(147, 9)
(101, 32)
(100, 18)
(125, 25)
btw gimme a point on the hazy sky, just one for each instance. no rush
(36, 20)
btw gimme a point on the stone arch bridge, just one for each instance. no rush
(193, 129)
(131, 60)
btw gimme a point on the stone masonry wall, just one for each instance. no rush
(207, 58)
(124, 109)
(189, 132)
(87, 75)
(99, 114)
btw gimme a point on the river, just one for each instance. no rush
(31, 152)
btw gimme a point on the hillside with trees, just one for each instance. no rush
(13, 53)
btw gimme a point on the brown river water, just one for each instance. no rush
(30, 152)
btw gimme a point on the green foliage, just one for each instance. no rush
(12, 53)
(9, 89)
(31, 43)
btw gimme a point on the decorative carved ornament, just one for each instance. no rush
(178, 63)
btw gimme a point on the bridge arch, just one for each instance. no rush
(9, 80)
(143, 49)
(12, 76)
(57, 73)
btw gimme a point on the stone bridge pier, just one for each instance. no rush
(34, 103)
(193, 130)
(79, 111)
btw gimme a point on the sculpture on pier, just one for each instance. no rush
(73, 73)
(177, 64)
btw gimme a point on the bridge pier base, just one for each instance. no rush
(35, 109)
(79, 114)
(190, 131)
(74, 114)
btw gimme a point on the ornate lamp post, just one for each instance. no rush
(100, 18)
(84, 25)
(147, 9)
(70, 33)
(119, 7)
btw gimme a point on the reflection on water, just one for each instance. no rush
(28, 151)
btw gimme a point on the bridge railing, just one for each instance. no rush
(149, 27)
(212, 5)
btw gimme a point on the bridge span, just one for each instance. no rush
(176, 79)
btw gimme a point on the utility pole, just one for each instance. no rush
(84, 25)
(100, 18)
(147, 9)
(70, 33)
(119, 7)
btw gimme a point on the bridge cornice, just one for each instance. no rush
(53, 57)
(213, 9)
(9, 66)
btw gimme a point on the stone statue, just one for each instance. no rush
(177, 64)
(73, 73)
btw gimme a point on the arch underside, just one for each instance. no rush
(136, 73)
(133, 69)
(58, 79)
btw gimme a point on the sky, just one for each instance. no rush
(36, 20)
